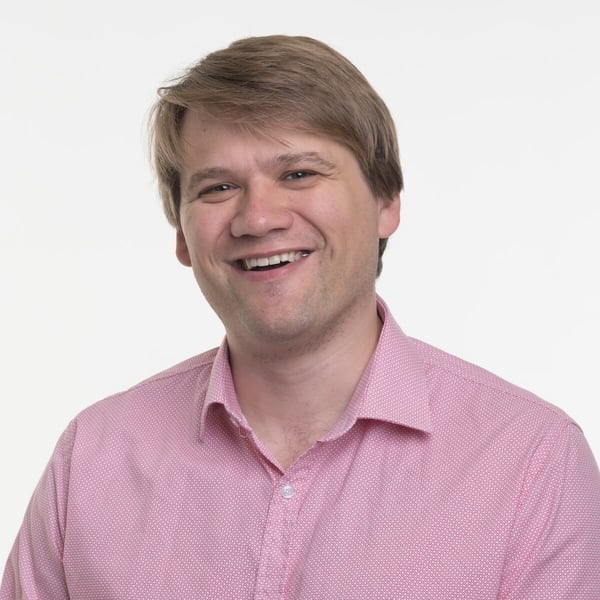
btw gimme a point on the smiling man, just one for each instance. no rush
(318, 452)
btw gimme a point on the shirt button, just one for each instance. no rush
(287, 491)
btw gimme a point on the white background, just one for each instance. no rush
(496, 260)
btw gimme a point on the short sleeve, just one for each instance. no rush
(34, 570)
(554, 551)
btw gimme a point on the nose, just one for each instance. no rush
(260, 210)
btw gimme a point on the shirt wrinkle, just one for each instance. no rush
(526, 484)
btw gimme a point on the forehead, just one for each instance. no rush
(203, 138)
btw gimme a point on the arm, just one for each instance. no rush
(554, 551)
(34, 570)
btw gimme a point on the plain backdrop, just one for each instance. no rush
(496, 259)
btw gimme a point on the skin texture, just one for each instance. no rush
(304, 331)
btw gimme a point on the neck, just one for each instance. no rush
(291, 399)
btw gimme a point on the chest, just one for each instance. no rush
(358, 517)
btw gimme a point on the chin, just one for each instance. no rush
(292, 335)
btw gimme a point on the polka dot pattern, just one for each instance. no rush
(439, 481)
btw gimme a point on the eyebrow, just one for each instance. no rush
(314, 158)
(279, 161)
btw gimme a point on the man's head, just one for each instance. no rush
(278, 82)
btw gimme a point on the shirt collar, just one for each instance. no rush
(393, 387)
(221, 390)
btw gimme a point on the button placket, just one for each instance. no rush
(281, 520)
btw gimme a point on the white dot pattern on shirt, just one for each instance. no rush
(441, 481)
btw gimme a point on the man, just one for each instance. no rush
(319, 452)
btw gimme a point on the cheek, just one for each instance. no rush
(350, 220)
(204, 230)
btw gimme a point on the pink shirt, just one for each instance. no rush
(440, 481)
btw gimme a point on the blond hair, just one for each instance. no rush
(262, 83)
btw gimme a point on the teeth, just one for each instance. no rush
(251, 263)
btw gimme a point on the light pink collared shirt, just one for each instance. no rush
(440, 481)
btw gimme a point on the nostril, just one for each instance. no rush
(258, 219)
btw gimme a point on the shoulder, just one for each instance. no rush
(463, 389)
(464, 394)
(153, 399)
(198, 366)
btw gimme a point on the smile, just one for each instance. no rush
(272, 262)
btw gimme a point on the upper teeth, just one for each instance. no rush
(275, 259)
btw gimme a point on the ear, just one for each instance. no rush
(181, 249)
(389, 215)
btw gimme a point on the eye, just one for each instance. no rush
(222, 187)
(296, 175)
(215, 190)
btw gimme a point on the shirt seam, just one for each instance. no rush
(65, 450)
(530, 398)
(173, 372)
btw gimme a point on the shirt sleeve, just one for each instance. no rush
(554, 550)
(34, 570)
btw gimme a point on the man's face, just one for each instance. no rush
(281, 231)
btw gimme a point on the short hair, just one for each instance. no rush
(262, 83)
